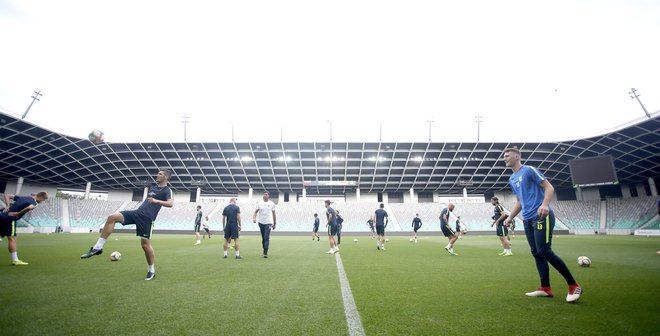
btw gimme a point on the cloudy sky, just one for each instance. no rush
(534, 70)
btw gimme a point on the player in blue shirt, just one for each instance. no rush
(452, 236)
(315, 229)
(143, 217)
(381, 222)
(331, 225)
(231, 225)
(533, 195)
(16, 207)
(416, 224)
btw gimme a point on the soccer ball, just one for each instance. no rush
(96, 136)
(115, 256)
(355, 240)
(412, 240)
(387, 239)
(584, 261)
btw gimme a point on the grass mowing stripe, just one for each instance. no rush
(352, 315)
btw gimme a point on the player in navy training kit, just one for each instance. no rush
(331, 225)
(370, 222)
(231, 225)
(315, 230)
(533, 195)
(416, 224)
(501, 230)
(340, 222)
(198, 224)
(381, 222)
(159, 196)
(11, 214)
(446, 228)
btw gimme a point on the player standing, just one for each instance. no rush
(205, 226)
(370, 222)
(159, 196)
(315, 229)
(416, 224)
(533, 195)
(501, 230)
(381, 222)
(267, 220)
(198, 224)
(340, 221)
(231, 225)
(11, 214)
(331, 225)
(446, 228)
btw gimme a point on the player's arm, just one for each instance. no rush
(224, 222)
(514, 212)
(549, 191)
(7, 199)
(254, 217)
(420, 223)
(168, 204)
(22, 212)
(327, 214)
(387, 220)
(274, 220)
(238, 218)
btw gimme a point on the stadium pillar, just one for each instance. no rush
(19, 185)
(250, 191)
(357, 194)
(578, 194)
(199, 192)
(654, 189)
(88, 187)
(464, 194)
(146, 192)
(412, 196)
(304, 195)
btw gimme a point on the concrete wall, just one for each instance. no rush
(182, 196)
(369, 197)
(120, 195)
(590, 194)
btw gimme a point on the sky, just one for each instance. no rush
(295, 70)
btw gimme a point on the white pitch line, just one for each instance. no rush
(350, 310)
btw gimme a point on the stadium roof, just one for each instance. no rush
(43, 156)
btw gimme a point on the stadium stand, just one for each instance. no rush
(91, 213)
(428, 213)
(46, 214)
(630, 213)
(578, 214)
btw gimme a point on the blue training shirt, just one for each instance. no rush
(159, 193)
(20, 203)
(526, 184)
(231, 211)
(380, 216)
(442, 216)
(331, 215)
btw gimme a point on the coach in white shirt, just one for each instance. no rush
(267, 220)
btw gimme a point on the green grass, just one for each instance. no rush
(410, 289)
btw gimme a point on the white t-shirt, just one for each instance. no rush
(265, 212)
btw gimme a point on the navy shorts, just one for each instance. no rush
(416, 228)
(502, 231)
(380, 230)
(143, 224)
(207, 230)
(7, 226)
(316, 229)
(231, 231)
(332, 230)
(446, 231)
(197, 227)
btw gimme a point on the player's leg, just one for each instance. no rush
(262, 229)
(108, 228)
(197, 235)
(267, 229)
(11, 246)
(542, 268)
(150, 256)
(227, 241)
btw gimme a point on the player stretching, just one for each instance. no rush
(231, 225)
(416, 224)
(370, 222)
(381, 223)
(501, 230)
(198, 224)
(11, 214)
(159, 196)
(447, 230)
(533, 194)
(267, 220)
(315, 230)
(331, 225)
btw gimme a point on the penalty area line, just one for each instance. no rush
(350, 310)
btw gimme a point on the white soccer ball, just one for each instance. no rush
(412, 240)
(115, 256)
(96, 136)
(387, 239)
(355, 240)
(584, 261)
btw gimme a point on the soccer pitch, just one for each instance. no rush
(409, 289)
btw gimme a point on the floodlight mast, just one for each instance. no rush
(634, 95)
(35, 97)
(185, 124)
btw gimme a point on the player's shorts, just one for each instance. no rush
(371, 226)
(197, 227)
(416, 227)
(446, 231)
(380, 230)
(7, 226)
(332, 230)
(231, 231)
(501, 230)
(458, 228)
(143, 224)
(316, 229)
(207, 230)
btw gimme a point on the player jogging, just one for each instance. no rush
(381, 222)
(533, 194)
(315, 229)
(446, 228)
(267, 220)
(143, 217)
(231, 225)
(11, 214)
(416, 224)
(501, 230)
(331, 225)
(198, 224)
